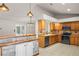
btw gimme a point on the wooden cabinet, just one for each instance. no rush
(59, 38)
(72, 26)
(67, 24)
(53, 39)
(58, 26)
(52, 26)
(77, 25)
(72, 40)
(41, 25)
(78, 41)
(41, 40)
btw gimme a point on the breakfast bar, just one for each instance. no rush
(13, 45)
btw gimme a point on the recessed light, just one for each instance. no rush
(68, 9)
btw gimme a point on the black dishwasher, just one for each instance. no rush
(46, 41)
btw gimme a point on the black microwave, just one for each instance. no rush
(66, 28)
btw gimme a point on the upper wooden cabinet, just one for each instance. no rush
(52, 26)
(73, 25)
(77, 25)
(67, 24)
(58, 26)
(41, 25)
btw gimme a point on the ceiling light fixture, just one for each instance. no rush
(3, 7)
(30, 14)
(68, 9)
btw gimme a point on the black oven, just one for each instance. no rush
(66, 38)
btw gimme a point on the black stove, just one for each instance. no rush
(66, 38)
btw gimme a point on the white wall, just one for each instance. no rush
(10, 19)
(7, 27)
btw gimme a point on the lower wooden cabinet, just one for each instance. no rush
(47, 40)
(59, 38)
(72, 40)
(41, 40)
(51, 40)
(78, 41)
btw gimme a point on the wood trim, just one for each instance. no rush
(0, 51)
(13, 35)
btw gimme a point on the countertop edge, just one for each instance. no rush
(16, 42)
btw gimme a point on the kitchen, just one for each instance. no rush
(24, 31)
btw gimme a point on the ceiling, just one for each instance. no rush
(61, 8)
(20, 9)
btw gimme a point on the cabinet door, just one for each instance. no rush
(78, 41)
(8, 50)
(52, 27)
(59, 38)
(77, 25)
(41, 40)
(58, 26)
(20, 49)
(72, 26)
(52, 40)
(72, 41)
(41, 26)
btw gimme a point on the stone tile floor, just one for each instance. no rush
(59, 49)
